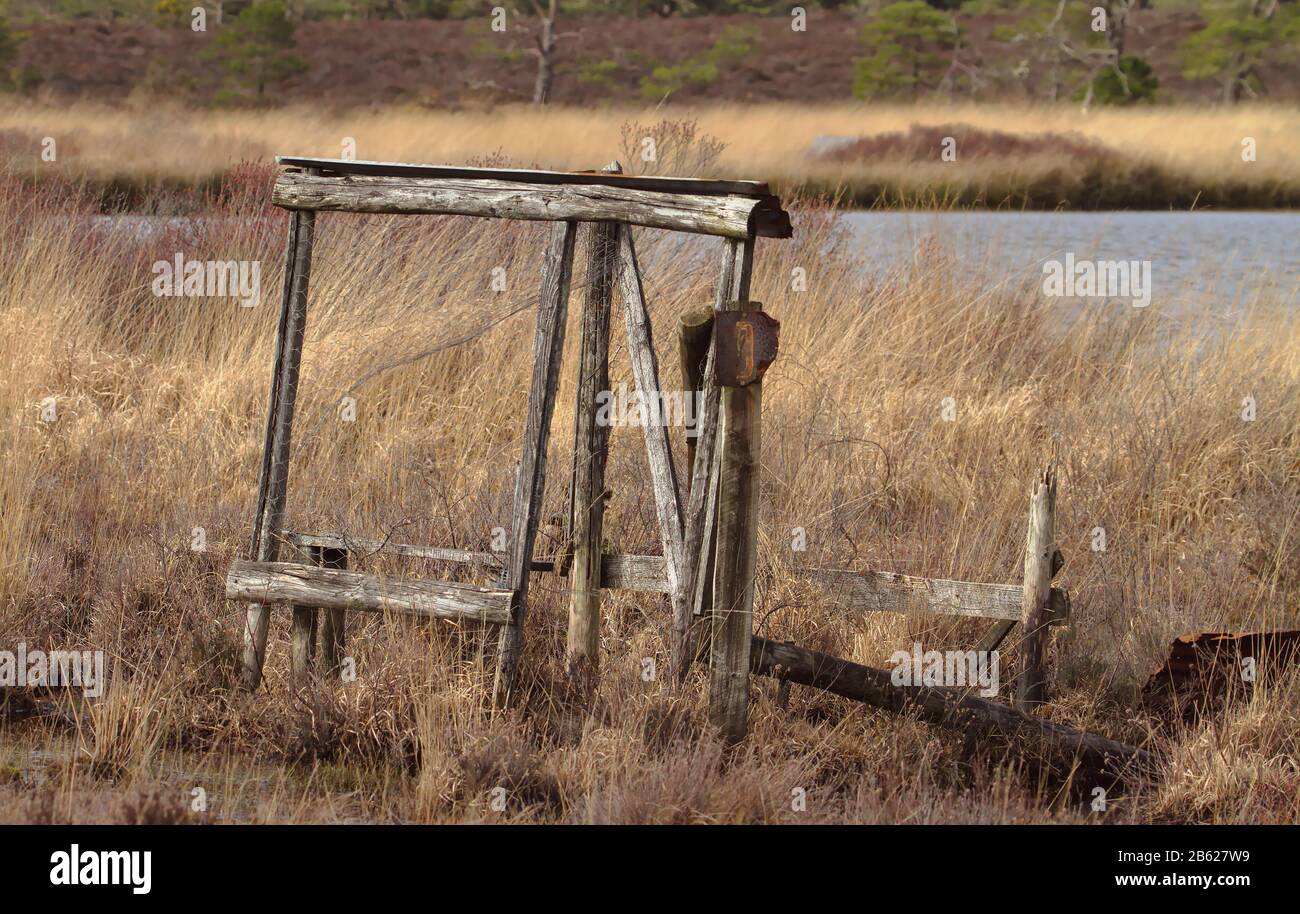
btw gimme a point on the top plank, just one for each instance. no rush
(707, 187)
(483, 193)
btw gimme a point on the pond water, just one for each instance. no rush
(1214, 259)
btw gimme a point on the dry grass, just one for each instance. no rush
(160, 407)
(1168, 156)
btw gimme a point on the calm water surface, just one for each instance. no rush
(1220, 260)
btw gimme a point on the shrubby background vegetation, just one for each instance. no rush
(445, 52)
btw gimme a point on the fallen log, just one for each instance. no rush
(946, 707)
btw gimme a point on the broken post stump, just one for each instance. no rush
(1031, 685)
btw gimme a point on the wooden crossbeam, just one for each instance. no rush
(731, 216)
(606, 177)
(885, 591)
(861, 591)
(331, 588)
(644, 573)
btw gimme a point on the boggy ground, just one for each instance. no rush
(159, 409)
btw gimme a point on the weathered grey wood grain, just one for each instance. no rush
(363, 545)
(548, 346)
(1031, 684)
(859, 591)
(737, 542)
(885, 591)
(694, 333)
(692, 629)
(645, 369)
(645, 573)
(730, 216)
(333, 628)
(591, 439)
(273, 486)
(330, 588)
(610, 177)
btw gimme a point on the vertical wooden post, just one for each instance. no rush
(645, 368)
(548, 346)
(737, 539)
(333, 630)
(274, 482)
(304, 628)
(694, 331)
(1031, 687)
(692, 630)
(591, 439)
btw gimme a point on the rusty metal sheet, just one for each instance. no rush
(1204, 669)
(746, 345)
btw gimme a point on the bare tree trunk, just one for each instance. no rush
(1117, 25)
(546, 41)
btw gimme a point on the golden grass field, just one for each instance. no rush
(1190, 156)
(160, 408)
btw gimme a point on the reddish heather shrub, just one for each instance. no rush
(923, 142)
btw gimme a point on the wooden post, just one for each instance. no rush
(279, 424)
(304, 629)
(548, 346)
(645, 368)
(333, 630)
(692, 630)
(305, 621)
(582, 653)
(737, 544)
(1031, 686)
(694, 331)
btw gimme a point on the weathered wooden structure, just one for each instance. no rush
(725, 462)
(708, 529)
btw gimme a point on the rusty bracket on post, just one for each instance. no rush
(746, 344)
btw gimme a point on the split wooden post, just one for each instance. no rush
(737, 543)
(1031, 685)
(548, 346)
(645, 369)
(591, 441)
(692, 629)
(274, 482)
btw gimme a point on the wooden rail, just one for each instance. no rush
(730, 215)
(331, 588)
(644, 573)
(885, 591)
(864, 591)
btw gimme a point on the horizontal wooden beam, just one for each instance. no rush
(948, 707)
(730, 216)
(362, 546)
(885, 591)
(646, 573)
(330, 588)
(603, 178)
(864, 591)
